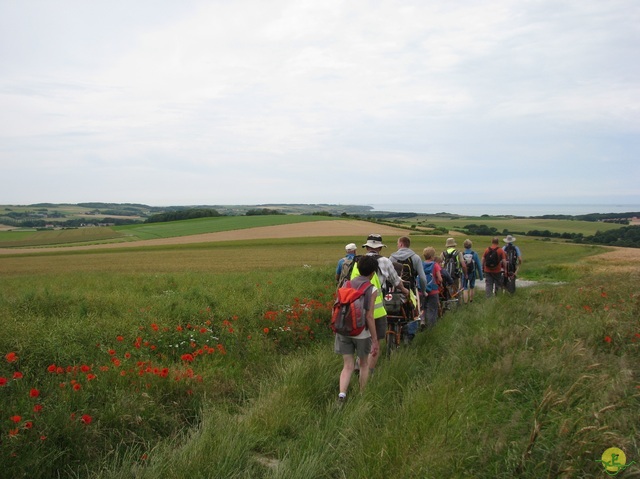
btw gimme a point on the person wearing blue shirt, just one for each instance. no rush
(351, 250)
(474, 270)
(514, 260)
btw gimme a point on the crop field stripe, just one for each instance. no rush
(213, 225)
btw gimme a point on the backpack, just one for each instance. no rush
(471, 264)
(347, 269)
(512, 257)
(491, 258)
(349, 314)
(451, 263)
(407, 273)
(431, 281)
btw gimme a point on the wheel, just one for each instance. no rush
(392, 337)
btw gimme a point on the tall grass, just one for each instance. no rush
(537, 384)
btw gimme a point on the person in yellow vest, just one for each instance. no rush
(386, 273)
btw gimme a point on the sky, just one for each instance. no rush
(222, 102)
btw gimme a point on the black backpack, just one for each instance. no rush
(512, 257)
(491, 258)
(451, 263)
(408, 273)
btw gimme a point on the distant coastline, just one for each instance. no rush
(503, 209)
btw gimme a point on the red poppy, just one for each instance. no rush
(37, 408)
(187, 357)
(18, 375)
(51, 368)
(16, 419)
(607, 339)
(266, 330)
(11, 357)
(28, 425)
(85, 369)
(77, 387)
(13, 432)
(34, 393)
(91, 377)
(119, 338)
(86, 419)
(3, 381)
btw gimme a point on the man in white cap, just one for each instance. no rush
(514, 260)
(346, 264)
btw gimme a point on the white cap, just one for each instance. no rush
(351, 247)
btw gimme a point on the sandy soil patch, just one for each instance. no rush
(357, 229)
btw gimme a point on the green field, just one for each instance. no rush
(9, 239)
(215, 360)
(518, 224)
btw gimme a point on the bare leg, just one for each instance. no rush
(347, 371)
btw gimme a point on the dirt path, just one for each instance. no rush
(357, 229)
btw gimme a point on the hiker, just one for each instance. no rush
(432, 270)
(386, 274)
(453, 263)
(494, 262)
(514, 260)
(365, 344)
(345, 263)
(404, 255)
(474, 270)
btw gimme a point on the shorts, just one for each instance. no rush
(381, 327)
(469, 282)
(348, 345)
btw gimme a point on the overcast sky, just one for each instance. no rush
(294, 101)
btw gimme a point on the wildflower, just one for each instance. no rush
(112, 352)
(3, 381)
(85, 369)
(607, 339)
(266, 330)
(13, 432)
(187, 357)
(28, 425)
(86, 419)
(77, 387)
(52, 368)
(17, 375)
(16, 419)
(34, 393)
(119, 338)
(11, 357)
(91, 377)
(37, 408)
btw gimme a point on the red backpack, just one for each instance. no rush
(349, 314)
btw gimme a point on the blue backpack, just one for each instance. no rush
(428, 272)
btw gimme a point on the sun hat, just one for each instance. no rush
(351, 247)
(450, 242)
(509, 239)
(374, 241)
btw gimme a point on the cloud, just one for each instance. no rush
(251, 102)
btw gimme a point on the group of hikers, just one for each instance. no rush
(364, 281)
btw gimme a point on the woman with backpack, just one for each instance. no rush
(474, 270)
(434, 280)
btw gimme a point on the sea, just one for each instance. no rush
(478, 209)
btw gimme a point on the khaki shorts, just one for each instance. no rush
(348, 345)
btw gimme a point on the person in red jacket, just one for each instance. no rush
(494, 263)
